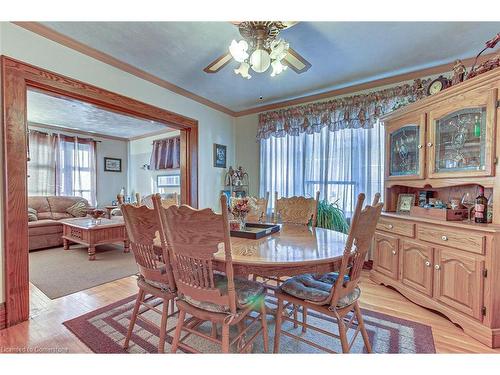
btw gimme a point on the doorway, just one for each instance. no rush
(17, 78)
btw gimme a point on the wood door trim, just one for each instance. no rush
(2, 316)
(17, 76)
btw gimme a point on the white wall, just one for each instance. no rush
(108, 183)
(214, 126)
(248, 149)
(141, 180)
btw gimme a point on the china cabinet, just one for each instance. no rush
(447, 144)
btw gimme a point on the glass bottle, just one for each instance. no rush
(481, 207)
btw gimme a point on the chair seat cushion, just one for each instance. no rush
(248, 293)
(316, 288)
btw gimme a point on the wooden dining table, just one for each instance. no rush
(294, 250)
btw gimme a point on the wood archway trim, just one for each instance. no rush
(17, 76)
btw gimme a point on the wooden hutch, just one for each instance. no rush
(448, 143)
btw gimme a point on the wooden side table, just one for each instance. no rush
(86, 232)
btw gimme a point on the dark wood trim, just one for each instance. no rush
(17, 76)
(64, 40)
(3, 318)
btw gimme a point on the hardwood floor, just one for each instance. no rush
(44, 331)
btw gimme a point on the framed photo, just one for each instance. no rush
(112, 165)
(405, 203)
(220, 154)
(172, 180)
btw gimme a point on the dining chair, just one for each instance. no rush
(293, 210)
(296, 210)
(156, 280)
(166, 200)
(193, 237)
(334, 294)
(258, 208)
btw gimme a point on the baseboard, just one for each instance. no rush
(3, 316)
(368, 265)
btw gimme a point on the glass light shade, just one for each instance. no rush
(243, 70)
(279, 49)
(278, 67)
(260, 60)
(239, 50)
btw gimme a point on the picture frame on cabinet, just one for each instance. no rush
(405, 203)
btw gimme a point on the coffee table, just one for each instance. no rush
(86, 232)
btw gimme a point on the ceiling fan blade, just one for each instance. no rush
(296, 62)
(218, 63)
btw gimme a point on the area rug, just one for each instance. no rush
(58, 272)
(104, 330)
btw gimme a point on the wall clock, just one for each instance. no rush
(437, 85)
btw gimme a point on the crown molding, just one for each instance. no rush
(363, 86)
(66, 41)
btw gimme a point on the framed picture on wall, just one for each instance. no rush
(172, 180)
(112, 165)
(220, 154)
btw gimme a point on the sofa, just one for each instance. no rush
(46, 231)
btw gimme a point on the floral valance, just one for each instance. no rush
(358, 111)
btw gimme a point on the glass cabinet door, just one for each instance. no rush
(404, 151)
(460, 141)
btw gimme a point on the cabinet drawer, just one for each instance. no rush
(396, 226)
(467, 241)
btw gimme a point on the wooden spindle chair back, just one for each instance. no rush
(259, 211)
(193, 237)
(362, 230)
(143, 227)
(297, 210)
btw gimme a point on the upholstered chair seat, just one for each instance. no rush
(316, 288)
(248, 292)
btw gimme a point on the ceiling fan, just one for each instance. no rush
(259, 49)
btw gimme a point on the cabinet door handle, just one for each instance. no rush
(429, 144)
(437, 267)
(427, 263)
(390, 226)
(393, 252)
(419, 146)
(444, 238)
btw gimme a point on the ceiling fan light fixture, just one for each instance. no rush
(238, 50)
(260, 60)
(278, 67)
(279, 49)
(243, 70)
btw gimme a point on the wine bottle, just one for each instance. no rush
(481, 207)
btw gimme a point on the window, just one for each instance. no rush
(61, 165)
(340, 164)
(76, 168)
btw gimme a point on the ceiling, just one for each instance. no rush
(341, 53)
(74, 114)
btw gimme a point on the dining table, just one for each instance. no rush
(295, 249)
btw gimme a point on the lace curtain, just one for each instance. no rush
(336, 147)
(339, 164)
(166, 154)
